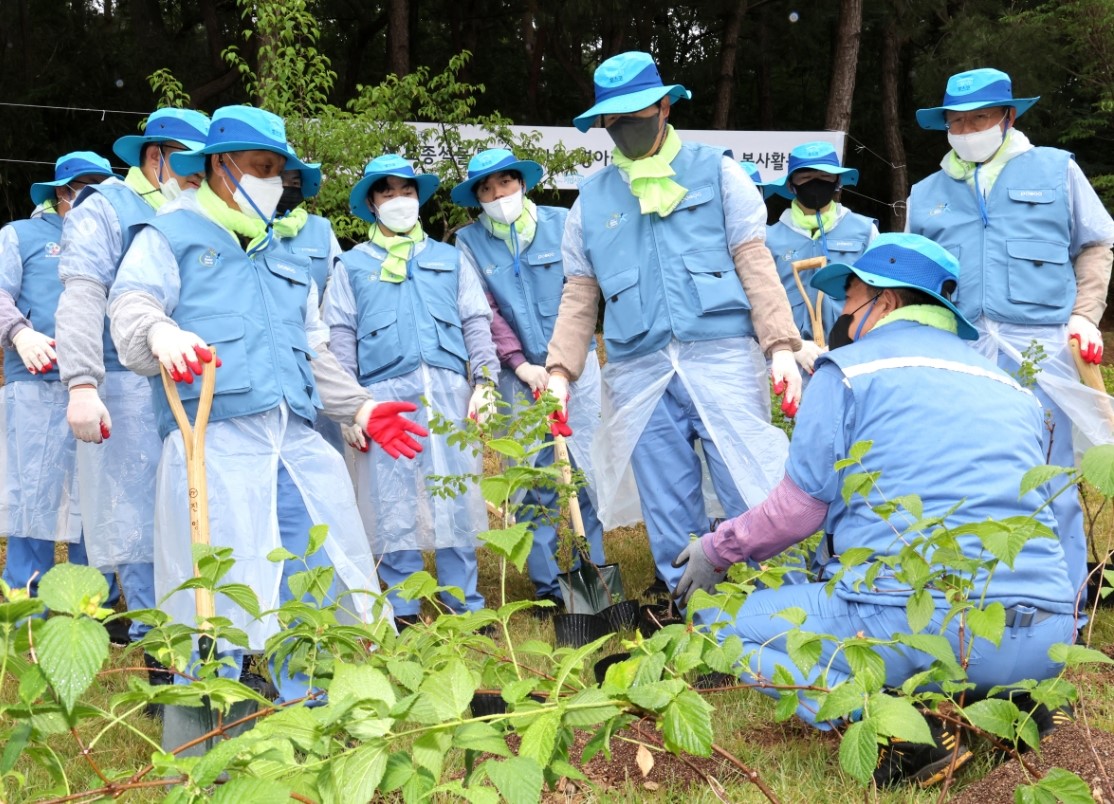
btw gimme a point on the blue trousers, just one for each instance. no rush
(26, 557)
(1022, 654)
(455, 567)
(668, 473)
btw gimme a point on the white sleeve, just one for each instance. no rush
(744, 211)
(1091, 224)
(316, 331)
(572, 245)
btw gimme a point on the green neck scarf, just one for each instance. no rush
(650, 180)
(399, 248)
(138, 182)
(931, 315)
(249, 226)
(1013, 144)
(812, 223)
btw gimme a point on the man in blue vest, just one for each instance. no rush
(117, 475)
(1034, 241)
(672, 235)
(906, 353)
(210, 268)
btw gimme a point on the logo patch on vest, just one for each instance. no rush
(282, 266)
(52, 249)
(87, 227)
(1027, 194)
(373, 277)
(210, 258)
(546, 256)
(489, 269)
(615, 220)
(940, 208)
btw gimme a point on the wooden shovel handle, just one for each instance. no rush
(815, 312)
(561, 453)
(1091, 376)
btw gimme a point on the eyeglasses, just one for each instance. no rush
(975, 120)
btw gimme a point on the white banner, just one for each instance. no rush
(767, 149)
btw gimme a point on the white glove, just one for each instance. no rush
(35, 349)
(787, 380)
(1089, 337)
(533, 375)
(482, 403)
(354, 436)
(87, 415)
(179, 350)
(807, 354)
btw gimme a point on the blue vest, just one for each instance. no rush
(313, 242)
(960, 433)
(39, 250)
(846, 243)
(664, 278)
(131, 211)
(252, 309)
(529, 298)
(401, 325)
(1016, 269)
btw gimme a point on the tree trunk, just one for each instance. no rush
(842, 87)
(213, 33)
(891, 124)
(725, 89)
(764, 76)
(398, 37)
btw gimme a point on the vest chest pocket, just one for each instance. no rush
(450, 334)
(226, 334)
(287, 279)
(378, 342)
(547, 274)
(623, 320)
(1037, 195)
(547, 308)
(846, 249)
(718, 288)
(1039, 272)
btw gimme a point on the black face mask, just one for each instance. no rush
(816, 194)
(290, 198)
(635, 136)
(840, 333)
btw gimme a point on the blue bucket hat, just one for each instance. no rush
(66, 169)
(900, 260)
(494, 160)
(311, 174)
(181, 125)
(380, 167)
(238, 128)
(974, 89)
(627, 83)
(820, 156)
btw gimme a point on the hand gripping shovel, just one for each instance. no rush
(1091, 376)
(184, 724)
(815, 312)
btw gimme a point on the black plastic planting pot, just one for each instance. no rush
(623, 616)
(655, 616)
(600, 667)
(577, 630)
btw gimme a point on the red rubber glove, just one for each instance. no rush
(788, 406)
(558, 387)
(385, 425)
(1089, 338)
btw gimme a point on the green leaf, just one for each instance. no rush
(655, 696)
(859, 450)
(444, 695)
(247, 790)
(481, 736)
(919, 610)
(17, 741)
(1066, 787)
(1098, 468)
(1039, 475)
(787, 704)
(540, 738)
(855, 556)
(360, 683)
(988, 623)
(71, 650)
(841, 701)
(994, 715)
(429, 751)
(511, 543)
(804, 649)
(897, 717)
(687, 725)
(242, 595)
(1076, 655)
(32, 684)
(317, 536)
(858, 751)
(589, 707)
(794, 614)
(935, 645)
(509, 447)
(73, 589)
(867, 665)
(518, 779)
(280, 554)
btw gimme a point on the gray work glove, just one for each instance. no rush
(700, 572)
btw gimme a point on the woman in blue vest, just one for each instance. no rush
(39, 504)
(515, 250)
(408, 322)
(210, 268)
(907, 352)
(815, 225)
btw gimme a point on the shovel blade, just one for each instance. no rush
(184, 724)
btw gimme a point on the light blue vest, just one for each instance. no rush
(39, 250)
(131, 211)
(1016, 269)
(964, 433)
(252, 309)
(313, 243)
(401, 325)
(846, 243)
(664, 278)
(528, 298)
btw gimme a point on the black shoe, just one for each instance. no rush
(924, 765)
(118, 636)
(158, 675)
(545, 612)
(1045, 720)
(259, 684)
(656, 590)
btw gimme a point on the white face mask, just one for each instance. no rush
(399, 214)
(979, 145)
(265, 193)
(170, 188)
(506, 209)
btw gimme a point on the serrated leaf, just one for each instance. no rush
(858, 751)
(1075, 655)
(589, 707)
(242, 595)
(248, 790)
(408, 674)
(893, 716)
(399, 771)
(1098, 468)
(509, 447)
(868, 667)
(841, 701)
(360, 683)
(513, 543)
(919, 610)
(1038, 476)
(994, 715)
(480, 736)
(540, 737)
(855, 556)
(656, 696)
(859, 450)
(793, 614)
(1066, 787)
(73, 589)
(444, 695)
(687, 725)
(32, 684)
(787, 704)
(318, 534)
(280, 554)
(935, 645)
(518, 779)
(17, 741)
(71, 650)
(429, 751)
(804, 649)
(988, 623)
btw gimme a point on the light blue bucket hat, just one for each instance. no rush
(628, 83)
(311, 174)
(67, 168)
(238, 128)
(899, 260)
(494, 160)
(974, 89)
(381, 167)
(820, 156)
(186, 126)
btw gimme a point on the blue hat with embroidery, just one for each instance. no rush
(381, 167)
(179, 125)
(628, 83)
(66, 169)
(310, 172)
(901, 260)
(752, 171)
(238, 128)
(494, 160)
(820, 156)
(974, 89)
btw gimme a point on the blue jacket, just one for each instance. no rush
(313, 242)
(845, 243)
(1015, 269)
(401, 325)
(947, 425)
(39, 250)
(252, 309)
(529, 297)
(664, 278)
